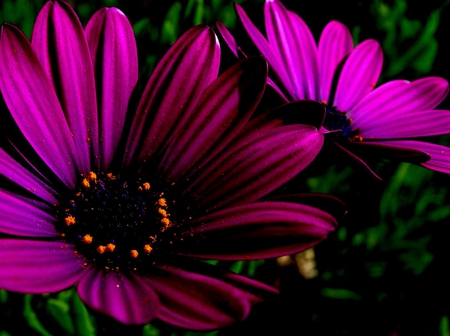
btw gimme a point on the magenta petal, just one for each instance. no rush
(439, 155)
(399, 100)
(292, 41)
(359, 75)
(37, 267)
(23, 217)
(222, 111)
(257, 231)
(334, 45)
(14, 171)
(265, 48)
(127, 298)
(114, 56)
(203, 298)
(228, 38)
(410, 125)
(250, 170)
(173, 90)
(34, 105)
(60, 44)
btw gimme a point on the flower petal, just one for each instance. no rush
(292, 41)
(439, 155)
(396, 101)
(359, 75)
(37, 267)
(228, 38)
(249, 170)
(15, 172)
(173, 90)
(334, 45)
(60, 44)
(34, 105)
(199, 296)
(265, 48)
(125, 297)
(114, 57)
(256, 231)
(223, 110)
(410, 125)
(24, 217)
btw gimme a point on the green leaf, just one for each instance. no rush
(58, 310)
(31, 317)
(83, 322)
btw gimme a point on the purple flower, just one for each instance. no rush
(362, 122)
(124, 205)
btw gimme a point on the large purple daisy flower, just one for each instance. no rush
(128, 226)
(364, 122)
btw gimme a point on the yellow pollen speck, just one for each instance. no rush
(101, 249)
(78, 194)
(147, 248)
(162, 202)
(146, 186)
(92, 176)
(70, 220)
(110, 247)
(152, 238)
(166, 222)
(87, 239)
(162, 212)
(134, 254)
(85, 183)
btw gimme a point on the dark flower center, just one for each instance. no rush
(336, 120)
(113, 223)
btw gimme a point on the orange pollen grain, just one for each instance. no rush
(162, 202)
(166, 222)
(70, 220)
(92, 176)
(357, 138)
(134, 254)
(110, 247)
(101, 249)
(85, 183)
(87, 239)
(146, 186)
(147, 248)
(162, 212)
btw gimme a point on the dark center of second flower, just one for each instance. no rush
(114, 223)
(336, 120)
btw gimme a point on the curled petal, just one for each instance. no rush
(201, 297)
(125, 297)
(257, 231)
(114, 57)
(37, 267)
